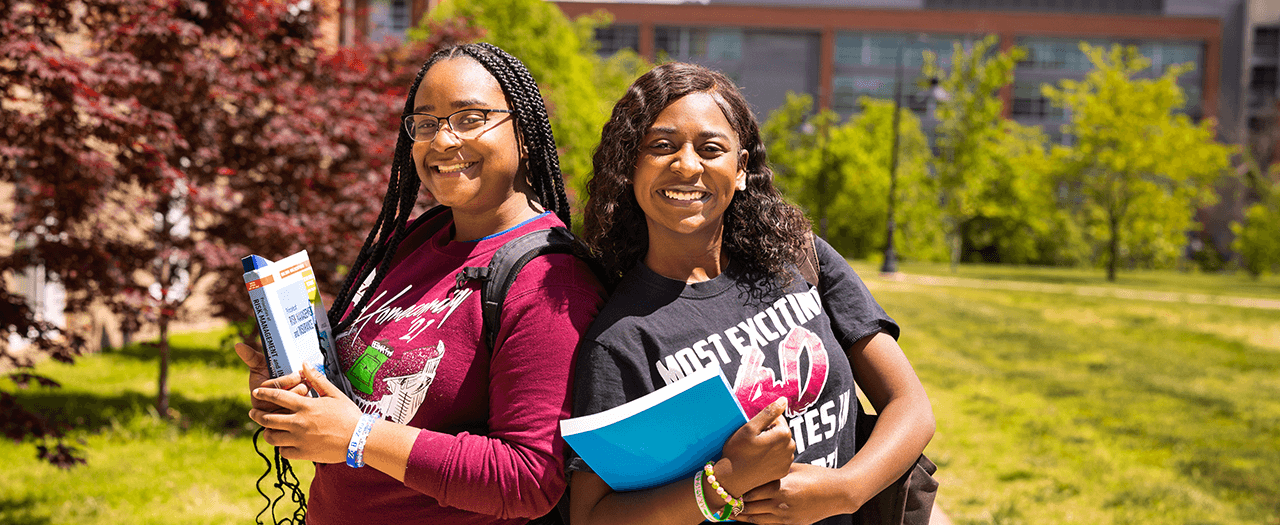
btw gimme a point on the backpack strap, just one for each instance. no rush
(506, 264)
(808, 265)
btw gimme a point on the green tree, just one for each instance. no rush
(1137, 169)
(841, 171)
(580, 87)
(975, 173)
(1258, 236)
(1016, 218)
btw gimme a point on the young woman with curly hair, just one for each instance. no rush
(441, 427)
(704, 250)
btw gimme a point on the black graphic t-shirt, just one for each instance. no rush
(655, 330)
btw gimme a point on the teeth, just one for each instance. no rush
(454, 167)
(683, 195)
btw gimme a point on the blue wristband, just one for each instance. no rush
(355, 449)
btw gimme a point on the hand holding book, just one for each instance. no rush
(758, 453)
(635, 446)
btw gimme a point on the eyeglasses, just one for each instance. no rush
(423, 127)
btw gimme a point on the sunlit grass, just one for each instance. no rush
(197, 468)
(1056, 408)
(1052, 408)
(1191, 282)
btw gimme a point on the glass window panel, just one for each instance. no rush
(882, 50)
(723, 44)
(848, 89)
(667, 40)
(849, 48)
(1029, 101)
(1173, 54)
(615, 38)
(399, 15)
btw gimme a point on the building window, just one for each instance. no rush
(616, 38)
(881, 49)
(1056, 54)
(1262, 86)
(1164, 55)
(1029, 102)
(400, 15)
(1132, 7)
(849, 48)
(849, 89)
(699, 44)
(1266, 42)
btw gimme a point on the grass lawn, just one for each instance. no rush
(1055, 408)
(200, 468)
(1052, 408)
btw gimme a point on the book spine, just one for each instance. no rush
(272, 345)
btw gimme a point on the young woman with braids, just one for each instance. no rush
(684, 213)
(452, 431)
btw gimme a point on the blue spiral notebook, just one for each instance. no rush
(662, 437)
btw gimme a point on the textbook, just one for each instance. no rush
(291, 316)
(662, 437)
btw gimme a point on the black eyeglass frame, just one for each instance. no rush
(404, 122)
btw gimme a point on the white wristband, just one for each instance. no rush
(355, 449)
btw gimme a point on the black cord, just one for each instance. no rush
(285, 479)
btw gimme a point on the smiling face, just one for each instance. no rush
(689, 167)
(477, 175)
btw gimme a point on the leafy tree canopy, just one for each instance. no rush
(151, 144)
(840, 171)
(1137, 168)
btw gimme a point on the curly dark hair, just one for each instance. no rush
(543, 169)
(763, 233)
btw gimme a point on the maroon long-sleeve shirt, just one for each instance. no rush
(489, 450)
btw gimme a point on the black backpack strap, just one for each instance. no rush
(506, 264)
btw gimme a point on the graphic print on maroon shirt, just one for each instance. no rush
(392, 379)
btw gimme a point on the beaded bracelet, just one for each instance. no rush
(702, 502)
(735, 504)
(355, 449)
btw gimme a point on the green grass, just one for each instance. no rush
(1238, 284)
(1056, 408)
(198, 468)
(1052, 408)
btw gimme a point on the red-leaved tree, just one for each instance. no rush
(152, 143)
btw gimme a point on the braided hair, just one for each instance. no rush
(533, 127)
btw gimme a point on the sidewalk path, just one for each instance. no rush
(1094, 291)
(938, 517)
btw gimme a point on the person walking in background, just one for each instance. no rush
(443, 428)
(684, 215)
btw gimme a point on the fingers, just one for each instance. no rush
(279, 438)
(289, 382)
(769, 416)
(320, 383)
(763, 492)
(285, 399)
(250, 356)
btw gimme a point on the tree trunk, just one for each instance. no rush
(955, 241)
(162, 395)
(1113, 249)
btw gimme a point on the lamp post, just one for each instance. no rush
(890, 266)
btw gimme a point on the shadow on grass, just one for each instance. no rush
(210, 354)
(98, 413)
(20, 511)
